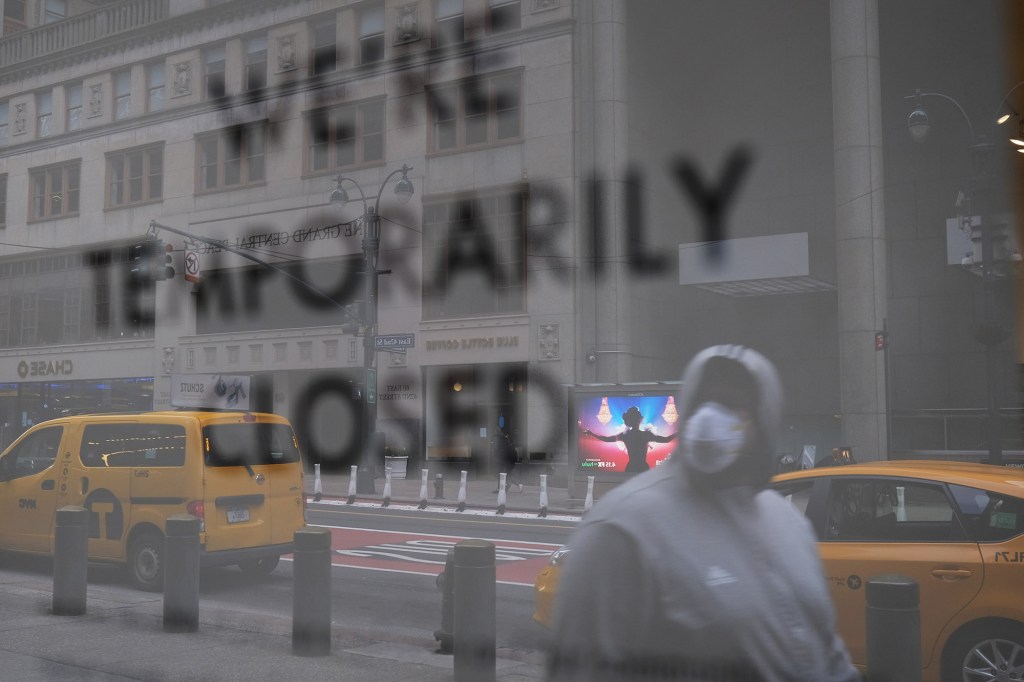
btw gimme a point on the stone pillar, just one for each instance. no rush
(603, 282)
(862, 274)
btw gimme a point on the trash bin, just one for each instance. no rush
(399, 465)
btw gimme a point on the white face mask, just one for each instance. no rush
(713, 438)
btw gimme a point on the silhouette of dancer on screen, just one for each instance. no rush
(635, 440)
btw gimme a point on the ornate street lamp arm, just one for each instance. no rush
(970, 127)
(343, 178)
(1006, 97)
(404, 170)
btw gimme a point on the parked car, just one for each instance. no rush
(239, 472)
(955, 528)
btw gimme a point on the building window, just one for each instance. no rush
(155, 86)
(3, 201)
(55, 190)
(135, 176)
(231, 158)
(255, 63)
(44, 113)
(3, 123)
(371, 34)
(325, 54)
(55, 10)
(473, 256)
(213, 72)
(346, 136)
(122, 94)
(504, 15)
(480, 111)
(449, 25)
(73, 103)
(15, 10)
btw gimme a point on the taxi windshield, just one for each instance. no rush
(249, 444)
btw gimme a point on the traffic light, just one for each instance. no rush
(150, 261)
(162, 266)
(355, 317)
(140, 256)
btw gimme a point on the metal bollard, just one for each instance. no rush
(311, 595)
(438, 487)
(475, 622)
(446, 583)
(181, 574)
(893, 626)
(70, 561)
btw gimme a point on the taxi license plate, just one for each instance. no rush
(238, 515)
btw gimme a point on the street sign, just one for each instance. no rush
(395, 341)
(371, 385)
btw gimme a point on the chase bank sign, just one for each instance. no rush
(45, 368)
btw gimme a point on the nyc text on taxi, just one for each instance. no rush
(239, 473)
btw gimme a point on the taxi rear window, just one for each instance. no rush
(249, 444)
(989, 516)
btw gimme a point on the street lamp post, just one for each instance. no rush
(990, 331)
(372, 440)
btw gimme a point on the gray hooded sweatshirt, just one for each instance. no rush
(671, 579)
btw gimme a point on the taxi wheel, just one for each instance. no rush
(989, 652)
(259, 568)
(146, 562)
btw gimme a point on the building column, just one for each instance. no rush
(862, 275)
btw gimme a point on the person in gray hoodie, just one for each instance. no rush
(695, 570)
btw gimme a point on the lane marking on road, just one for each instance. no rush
(517, 562)
(445, 510)
(419, 517)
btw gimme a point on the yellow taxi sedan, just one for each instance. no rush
(955, 528)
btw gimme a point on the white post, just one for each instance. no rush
(501, 493)
(353, 475)
(589, 501)
(387, 486)
(424, 473)
(543, 494)
(318, 486)
(462, 490)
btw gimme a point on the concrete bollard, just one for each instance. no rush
(438, 487)
(893, 625)
(543, 496)
(318, 486)
(70, 561)
(462, 490)
(474, 640)
(446, 583)
(588, 502)
(181, 574)
(311, 594)
(501, 494)
(353, 479)
(424, 473)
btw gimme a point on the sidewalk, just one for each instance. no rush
(480, 493)
(121, 638)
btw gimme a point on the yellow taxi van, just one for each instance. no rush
(239, 472)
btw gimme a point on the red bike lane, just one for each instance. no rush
(516, 563)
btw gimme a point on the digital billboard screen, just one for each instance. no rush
(622, 431)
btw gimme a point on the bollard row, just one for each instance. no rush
(501, 504)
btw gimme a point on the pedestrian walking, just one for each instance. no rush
(695, 570)
(508, 456)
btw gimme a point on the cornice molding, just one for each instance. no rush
(170, 27)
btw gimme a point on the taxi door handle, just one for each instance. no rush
(48, 484)
(951, 573)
